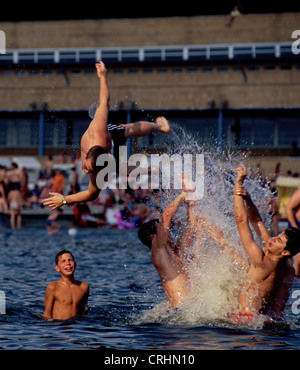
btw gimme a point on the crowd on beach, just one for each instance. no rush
(115, 208)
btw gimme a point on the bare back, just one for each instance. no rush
(93, 136)
(14, 175)
(171, 269)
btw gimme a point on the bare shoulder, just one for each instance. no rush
(84, 286)
(51, 288)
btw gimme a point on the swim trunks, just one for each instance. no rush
(14, 205)
(241, 318)
(117, 132)
(14, 185)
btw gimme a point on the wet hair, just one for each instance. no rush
(146, 230)
(293, 243)
(93, 154)
(59, 254)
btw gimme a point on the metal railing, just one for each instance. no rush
(143, 54)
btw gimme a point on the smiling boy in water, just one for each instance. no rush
(65, 297)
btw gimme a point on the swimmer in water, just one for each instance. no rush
(51, 225)
(292, 211)
(65, 297)
(169, 259)
(271, 272)
(98, 139)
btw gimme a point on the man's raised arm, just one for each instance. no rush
(187, 235)
(163, 228)
(254, 252)
(256, 220)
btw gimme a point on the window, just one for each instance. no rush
(192, 70)
(207, 69)
(6, 73)
(47, 72)
(177, 70)
(288, 131)
(76, 72)
(253, 68)
(270, 68)
(162, 71)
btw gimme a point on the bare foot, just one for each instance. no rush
(163, 125)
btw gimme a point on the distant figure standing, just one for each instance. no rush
(3, 204)
(48, 166)
(58, 182)
(14, 180)
(15, 204)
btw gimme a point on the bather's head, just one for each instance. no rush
(90, 162)
(293, 240)
(147, 231)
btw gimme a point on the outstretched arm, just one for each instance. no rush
(163, 229)
(187, 235)
(252, 211)
(241, 217)
(217, 235)
(56, 199)
(256, 220)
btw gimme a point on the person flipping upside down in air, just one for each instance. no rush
(97, 140)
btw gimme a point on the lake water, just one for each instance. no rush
(127, 306)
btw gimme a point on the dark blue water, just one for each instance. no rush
(126, 309)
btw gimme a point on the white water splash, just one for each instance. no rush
(215, 277)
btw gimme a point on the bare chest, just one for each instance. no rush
(70, 296)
